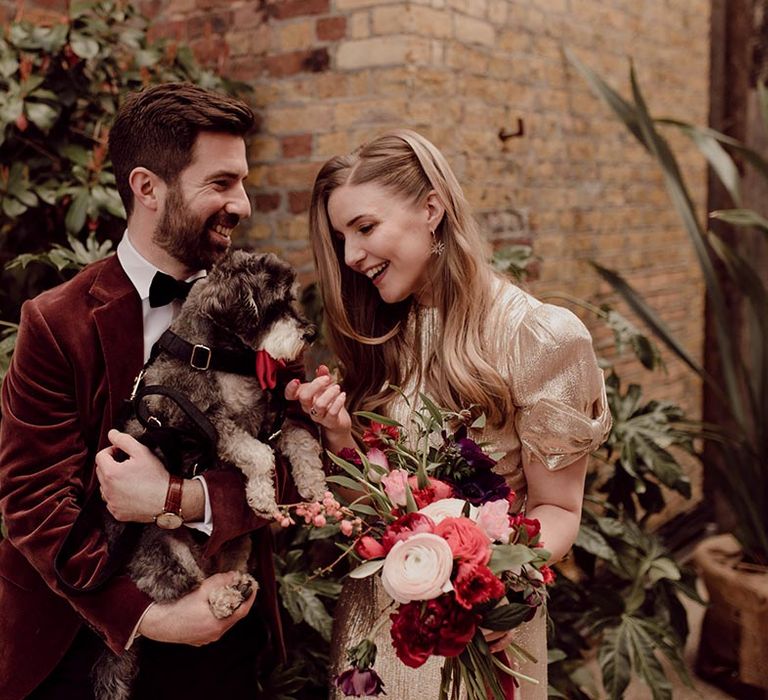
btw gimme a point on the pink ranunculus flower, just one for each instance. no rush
(493, 519)
(418, 568)
(445, 508)
(377, 457)
(466, 540)
(394, 486)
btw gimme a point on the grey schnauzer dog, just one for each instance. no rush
(246, 306)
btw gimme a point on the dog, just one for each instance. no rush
(244, 309)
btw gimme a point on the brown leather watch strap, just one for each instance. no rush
(173, 497)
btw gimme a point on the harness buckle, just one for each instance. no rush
(200, 358)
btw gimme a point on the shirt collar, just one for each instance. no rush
(138, 269)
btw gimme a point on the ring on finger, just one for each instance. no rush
(313, 411)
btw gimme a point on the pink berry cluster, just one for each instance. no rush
(318, 513)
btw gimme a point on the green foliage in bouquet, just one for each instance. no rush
(60, 87)
(742, 384)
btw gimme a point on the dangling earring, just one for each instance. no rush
(437, 247)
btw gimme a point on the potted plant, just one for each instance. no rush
(734, 567)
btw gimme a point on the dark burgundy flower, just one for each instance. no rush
(350, 455)
(404, 527)
(438, 627)
(483, 486)
(412, 639)
(474, 455)
(458, 628)
(356, 683)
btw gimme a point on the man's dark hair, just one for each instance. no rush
(157, 127)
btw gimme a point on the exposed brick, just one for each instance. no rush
(331, 28)
(312, 61)
(209, 24)
(298, 202)
(266, 201)
(283, 9)
(381, 51)
(459, 71)
(474, 31)
(293, 36)
(297, 145)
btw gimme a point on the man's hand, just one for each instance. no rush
(189, 620)
(134, 489)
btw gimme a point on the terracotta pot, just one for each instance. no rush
(734, 635)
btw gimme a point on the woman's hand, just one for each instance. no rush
(324, 401)
(498, 641)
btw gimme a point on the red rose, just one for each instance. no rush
(548, 574)
(436, 490)
(531, 525)
(467, 541)
(404, 527)
(379, 435)
(475, 585)
(369, 548)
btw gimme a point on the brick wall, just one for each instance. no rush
(327, 74)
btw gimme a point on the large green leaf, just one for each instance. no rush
(613, 657)
(590, 540)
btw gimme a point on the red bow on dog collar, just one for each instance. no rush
(266, 369)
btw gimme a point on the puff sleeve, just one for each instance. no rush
(558, 388)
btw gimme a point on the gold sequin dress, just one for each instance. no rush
(546, 354)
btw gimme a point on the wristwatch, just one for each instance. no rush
(171, 518)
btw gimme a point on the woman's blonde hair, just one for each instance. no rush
(371, 338)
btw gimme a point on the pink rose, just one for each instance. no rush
(418, 568)
(394, 486)
(493, 520)
(466, 540)
(368, 548)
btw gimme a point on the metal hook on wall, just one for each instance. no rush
(505, 135)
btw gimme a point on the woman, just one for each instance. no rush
(411, 301)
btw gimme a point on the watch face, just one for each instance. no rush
(168, 521)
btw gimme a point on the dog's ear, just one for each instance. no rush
(216, 296)
(251, 303)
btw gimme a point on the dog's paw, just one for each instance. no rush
(224, 601)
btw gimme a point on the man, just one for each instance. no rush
(179, 159)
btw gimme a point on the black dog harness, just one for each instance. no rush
(172, 442)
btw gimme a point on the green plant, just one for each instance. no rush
(624, 598)
(60, 87)
(742, 382)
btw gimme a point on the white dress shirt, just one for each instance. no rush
(156, 321)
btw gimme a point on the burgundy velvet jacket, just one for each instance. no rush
(79, 349)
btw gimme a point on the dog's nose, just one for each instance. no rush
(310, 334)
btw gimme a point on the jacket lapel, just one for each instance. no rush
(120, 329)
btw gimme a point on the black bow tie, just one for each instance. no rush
(164, 289)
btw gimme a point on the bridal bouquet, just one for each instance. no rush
(439, 533)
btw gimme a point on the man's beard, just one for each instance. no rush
(185, 237)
